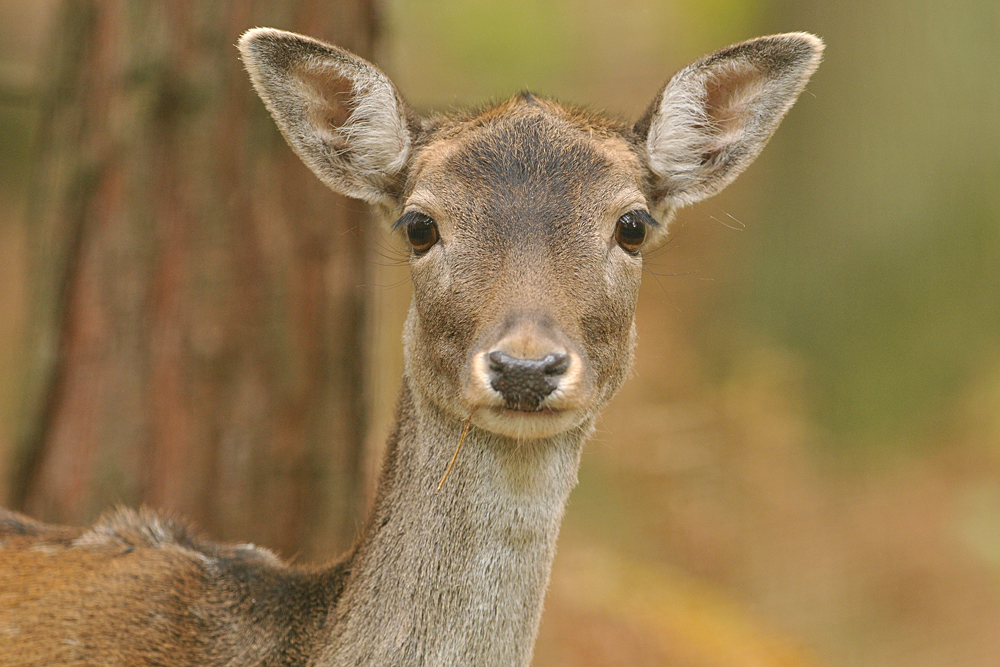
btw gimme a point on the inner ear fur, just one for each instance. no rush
(339, 113)
(714, 117)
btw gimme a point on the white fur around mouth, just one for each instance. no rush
(543, 423)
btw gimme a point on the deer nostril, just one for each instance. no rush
(556, 364)
(524, 383)
(498, 360)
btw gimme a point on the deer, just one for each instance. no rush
(527, 221)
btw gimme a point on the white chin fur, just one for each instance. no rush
(526, 425)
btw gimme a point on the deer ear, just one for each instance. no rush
(714, 117)
(338, 112)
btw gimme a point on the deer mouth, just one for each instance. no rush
(527, 410)
(532, 423)
(528, 406)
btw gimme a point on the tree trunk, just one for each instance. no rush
(199, 325)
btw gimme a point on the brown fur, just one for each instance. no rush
(525, 197)
(136, 589)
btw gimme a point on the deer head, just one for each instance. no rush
(528, 220)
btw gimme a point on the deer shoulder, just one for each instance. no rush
(137, 589)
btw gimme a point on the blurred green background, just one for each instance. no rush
(805, 468)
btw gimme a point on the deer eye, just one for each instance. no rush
(421, 230)
(630, 231)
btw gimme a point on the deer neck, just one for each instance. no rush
(455, 576)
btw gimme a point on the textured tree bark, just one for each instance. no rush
(199, 328)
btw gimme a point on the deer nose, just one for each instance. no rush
(524, 383)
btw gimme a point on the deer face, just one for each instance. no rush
(527, 221)
(525, 224)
